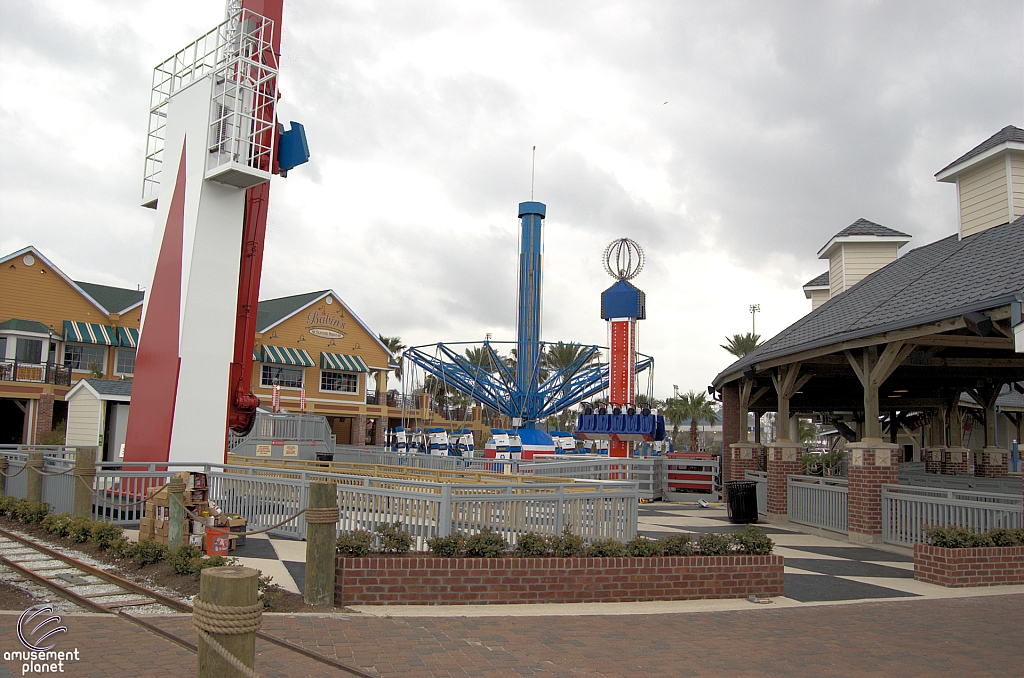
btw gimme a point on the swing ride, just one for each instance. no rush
(525, 386)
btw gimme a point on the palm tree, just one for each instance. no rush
(742, 344)
(396, 347)
(697, 407)
(561, 355)
(673, 411)
(807, 431)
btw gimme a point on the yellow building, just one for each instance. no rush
(54, 332)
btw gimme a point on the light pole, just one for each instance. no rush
(754, 308)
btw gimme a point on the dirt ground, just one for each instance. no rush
(160, 575)
(12, 598)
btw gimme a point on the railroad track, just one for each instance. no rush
(103, 592)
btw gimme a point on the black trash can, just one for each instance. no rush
(741, 500)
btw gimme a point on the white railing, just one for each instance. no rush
(647, 472)
(761, 478)
(1005, 485)
(818, 502)
(906, 511)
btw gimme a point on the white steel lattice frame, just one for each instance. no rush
(239, 55)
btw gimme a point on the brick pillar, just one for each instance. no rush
(380, 433)
(956, 461)
(991, 462)
(358, 436)
(872, 464)
(783, 461)
(44, 415)
(744, 458)
(732, 427)
(933, 458)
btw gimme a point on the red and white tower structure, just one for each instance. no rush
(622, 305)
(211, 150)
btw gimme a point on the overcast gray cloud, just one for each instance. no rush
(730, 138)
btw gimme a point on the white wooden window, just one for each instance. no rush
(125, 363)
(84, 357)
(339, 382)
(285, 377)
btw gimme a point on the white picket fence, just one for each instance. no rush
(818, 502)
(907, 510)
(761, 478)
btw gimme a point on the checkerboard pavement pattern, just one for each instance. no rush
(818, 568)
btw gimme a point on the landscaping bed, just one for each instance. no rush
(959, 558)
(148, 563)
(377, 569)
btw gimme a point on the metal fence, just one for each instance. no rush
(647, 472)
(593, 509)
(1005, 485)
(761, 478)
(818, 502)
(906, 511)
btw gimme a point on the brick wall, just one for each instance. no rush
(956, 461)
(933, 459)
(743, 458)
(783, 462)
(958, 568)
(731, 425)
(868, 471)
(460, 581)
(991, 462)
(44, 415)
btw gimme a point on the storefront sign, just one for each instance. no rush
(291, 450)
(263, 450)
(326, 321)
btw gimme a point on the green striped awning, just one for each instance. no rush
(256, 358)
(128, 337)
(89, 333)
(340, 361)
(286, 356)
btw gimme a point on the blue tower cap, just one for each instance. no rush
(532, 208)
(623, 300)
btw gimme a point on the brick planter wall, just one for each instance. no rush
(958, 568)
(461, 581)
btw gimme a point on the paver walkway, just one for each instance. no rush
(955, 637)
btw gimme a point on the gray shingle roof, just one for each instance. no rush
(271, 311)
(111, 387)
(865, 227)
(944, 279)
(114, 299)
(1008, 133)
(820, 281)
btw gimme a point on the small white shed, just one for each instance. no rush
(98, 414)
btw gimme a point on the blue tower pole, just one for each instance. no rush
(531, 267)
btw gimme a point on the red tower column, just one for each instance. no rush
(622, 373)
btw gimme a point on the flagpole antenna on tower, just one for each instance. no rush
(533, 171)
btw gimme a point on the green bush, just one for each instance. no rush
(122, 548)
(267, 590)
(57, 524)
(355, 544)
(149, 553)
(642, 547)
(393, 539)
(714, 544)
(963, 538)
(30, 512)
(452, 546)
(104, 534)
(568, 545)
(212, 561)
(677, 545)
(531, 545)
(753, 541)
(185, 559)
(7, 505)
(486, 544)
(79, 529)
(1003, 537)
(605, 548)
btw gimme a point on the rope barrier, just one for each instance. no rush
(11, 475)
(321, 516)
(210, 618)
(103, 499)
(248, 533)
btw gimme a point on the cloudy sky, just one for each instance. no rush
(730, 139)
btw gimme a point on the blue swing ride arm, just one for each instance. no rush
(496, 387)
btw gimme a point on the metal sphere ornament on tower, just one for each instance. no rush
(623, 259)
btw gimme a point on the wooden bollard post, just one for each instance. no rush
(176, 507)
(3, 478)
(321, 540)
(34, 481)
(85, 470)
(228, 611)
